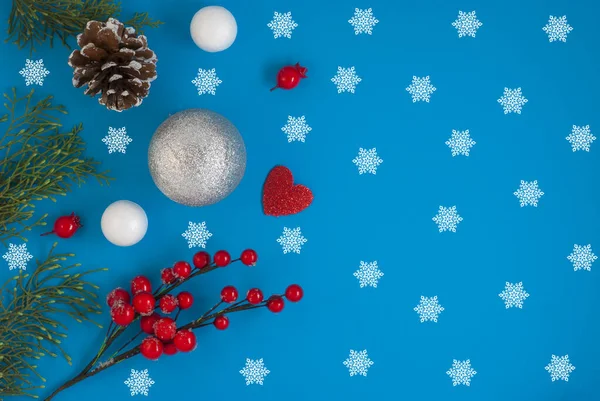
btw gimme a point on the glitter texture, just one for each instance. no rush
(197, 157)
(281, 197)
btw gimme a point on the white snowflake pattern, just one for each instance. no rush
(461, 372)
(512, 101)
(447, 219)
(514, 295)
(34, 72)
(557, 29)
(429, 309)
(255, 371)
(358, 362)
(17, 256)
(367, 161)
(460, 143)
(206, 81)
(363, 21)
(582, 257)
(291, 240)
(529, 193)
(346, 79)
(139, 382)
(560, 368)
(581, 138)
(197, 234)
(117, 140)
(282, 25)
(296, 129)
(421, 89)
(368, 274)
(467, 24)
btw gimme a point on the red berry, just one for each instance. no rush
(201, 259)
(222, 258)
(66, 226)
(144, 303)
(117, 295)
(221, 322)
(140, 284)
(147, 323)
(275, 304)
(151, 348)
(289, 76)
(229, 294)
(168, 303)
(185, 340)
(165, 329)
(294, 293)
(249, 257)
(167, 276)
(254, 296)
(122, 314)
(182, 269)
(169, 349)
(185, 300)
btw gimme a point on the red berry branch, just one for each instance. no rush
(163, 334)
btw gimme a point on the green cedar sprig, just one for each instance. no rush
(33, 22)
(31, 306)
(37, 162)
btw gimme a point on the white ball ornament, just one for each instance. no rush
(213, 29)
(124, 223)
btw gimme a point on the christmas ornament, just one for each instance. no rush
(281, 197)
(289, 76)
(294, 293)
(117, 295)
(167, 276)
(182, 270)
(144, 303)
(113, 62)
(166, 335)
(213, 29)
(65, 226)
(124, 223)
(32, 133)
(201, 259)
(197, 157)
(168, 303)
(249, 257)
(222, 258)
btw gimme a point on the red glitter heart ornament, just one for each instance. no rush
(281, 197)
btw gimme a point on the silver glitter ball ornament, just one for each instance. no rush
(197, 157)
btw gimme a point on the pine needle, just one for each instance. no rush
(37, 162)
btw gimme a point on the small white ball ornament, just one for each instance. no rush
(124, 223)
(213, 29)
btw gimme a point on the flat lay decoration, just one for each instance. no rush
(281, 197)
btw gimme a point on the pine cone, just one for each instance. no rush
(115, 63)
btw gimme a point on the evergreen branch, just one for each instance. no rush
(139, 21)
(30, 309)
(37, 162)
(34, 22)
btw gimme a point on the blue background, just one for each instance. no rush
(384, 217)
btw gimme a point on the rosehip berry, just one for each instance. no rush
(185, 300)
(222, 258)
(249, 257)
(275, 304)
(144, 303)
(182, 270)
(229, 294)
(294, 293)
(167, 276)
(122, 314)
(151, 348)
(221, 322)
(117, 295)
(147, 323)
(169, 349)
(168, 303)
(185, 340)
(254, 296)
(140, 284)
(201, 259)
(165, 329)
